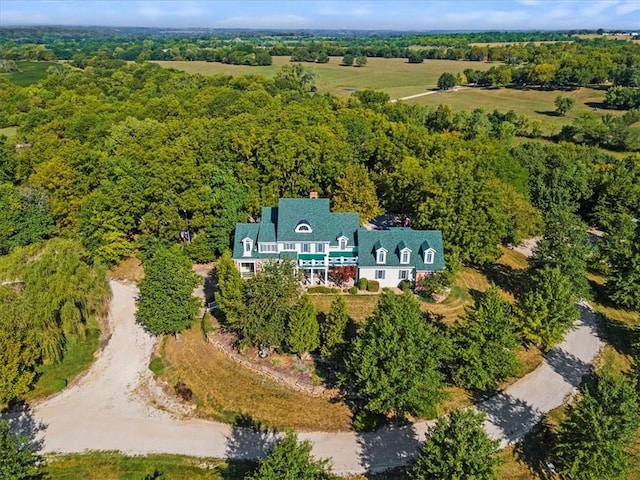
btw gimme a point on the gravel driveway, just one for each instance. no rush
(109, 407)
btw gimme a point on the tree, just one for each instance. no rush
(546, 310)
(621, 249)
(355, 192)
(393, 364)
(348, 60)
(290, 459)
(18, 461)
(485, 344)
(229, 292)
(593, 437)
(446, 81)
(303, 327)
(167, 304)
(333, 330)
(457, 448)
(361, 61)
(564, 104)
(269, 298)
(296, 77)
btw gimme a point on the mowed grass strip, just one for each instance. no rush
(359, 307)
(28, 73)
(395, 76)
(117, 466)
(223, 390)
(535, 103)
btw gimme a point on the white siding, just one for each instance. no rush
(391, 275)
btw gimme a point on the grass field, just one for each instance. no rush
(536, 104)
(224, 391)
(29, 73)
(8, 131)
(394, 76)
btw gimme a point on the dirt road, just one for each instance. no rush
(107, 408)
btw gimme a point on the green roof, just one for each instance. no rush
(310, 256)
(396, 239)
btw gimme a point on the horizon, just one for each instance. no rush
(355, 15)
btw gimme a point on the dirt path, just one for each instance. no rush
(430, 92)
(106, 409)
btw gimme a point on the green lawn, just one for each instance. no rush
(8, 131)
(395, 76)
(29, 73)
(77, 358)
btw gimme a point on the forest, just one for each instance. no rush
(112, 158)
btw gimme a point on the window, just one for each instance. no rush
(303, 227)
(247, 247)
(403, 274)
(268, 247)
(404, 256)
(380, 274)
(343, 243)
(381, 256)
(428, 256)
(319, 247)
(306, 248)
(289, 246)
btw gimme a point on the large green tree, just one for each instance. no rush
(229, 290)
(167, 304)
(593, 437)
(393, 364)
(457, 448)
(355, 192)
(621, 253)
(18, 461)
(546, 310)
(333, 330)
(290, 459)
(303, 329)
(485, 344)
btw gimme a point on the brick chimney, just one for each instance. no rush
(313, 194)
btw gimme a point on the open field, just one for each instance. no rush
(395, 76)
(30, 73)
(224, 391)
(536, 104)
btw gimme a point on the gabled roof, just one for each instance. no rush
(245, 230)
(397, 239)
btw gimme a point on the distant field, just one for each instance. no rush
(537, 104)
(395, 76)
(30, 73)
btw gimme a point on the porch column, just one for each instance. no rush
(312, 282)
(326, 273)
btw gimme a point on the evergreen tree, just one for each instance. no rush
(546, 311)
(229, 292)
(457, 448)
(167, 304)
(394, 362)
(485, 344)
(621, 252)
(18, 461)
(593, 437)
(303, 327)
(563, 104)
(333, 329)
(290, 459)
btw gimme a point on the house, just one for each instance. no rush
(305, 230)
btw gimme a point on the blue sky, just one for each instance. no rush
(346, 14)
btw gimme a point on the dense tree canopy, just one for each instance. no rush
(18, 461)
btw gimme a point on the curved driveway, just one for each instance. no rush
(107, 408)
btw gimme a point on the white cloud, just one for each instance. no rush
(627, 7)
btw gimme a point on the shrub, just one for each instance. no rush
(353, 290)
(373, 286)
(405, 285)
(183, 391)
(322, 289)
(156, 366)
(59, 384)
(362, 284)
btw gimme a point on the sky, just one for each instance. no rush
(345, 14)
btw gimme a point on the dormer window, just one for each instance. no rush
(247, 246)
(342, 241)
(303, 227)
(429, 255)
(381, 256)
(405, 256)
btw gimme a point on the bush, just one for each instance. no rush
(353, 290)
(373, 286)
(362, 284)
(156, 366)
(59, 384)
(322, 289)
(405, 285)
(183, 391)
